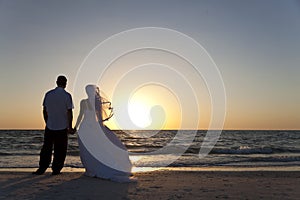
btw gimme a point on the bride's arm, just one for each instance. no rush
(81, 112)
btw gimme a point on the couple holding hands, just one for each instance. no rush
(101, 152)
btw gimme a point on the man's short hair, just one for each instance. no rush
(61, 81)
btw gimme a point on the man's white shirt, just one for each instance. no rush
(57, 103)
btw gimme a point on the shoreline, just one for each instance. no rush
(179, 169)
(160, 184)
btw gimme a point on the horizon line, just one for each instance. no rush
(225, 129)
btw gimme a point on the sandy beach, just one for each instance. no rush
(161, 184)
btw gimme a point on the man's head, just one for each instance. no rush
(61, 81)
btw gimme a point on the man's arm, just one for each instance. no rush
(70, 118)
(45, 114)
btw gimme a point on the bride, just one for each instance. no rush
(101, 152)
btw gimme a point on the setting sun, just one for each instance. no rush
(139, 113)
(149, 107)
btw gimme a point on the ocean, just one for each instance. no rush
(235, 148)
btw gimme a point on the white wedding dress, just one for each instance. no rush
(101, 152)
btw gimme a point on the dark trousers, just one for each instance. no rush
(59, 140)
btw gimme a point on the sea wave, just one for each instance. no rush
(257, 161)
(236, 148)
(252, 150)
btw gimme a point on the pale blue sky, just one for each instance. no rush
(255, 44)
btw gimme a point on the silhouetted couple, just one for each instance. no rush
(102, 154)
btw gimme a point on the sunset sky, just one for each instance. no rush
(255, 45)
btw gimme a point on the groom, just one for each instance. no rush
(58, 116)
